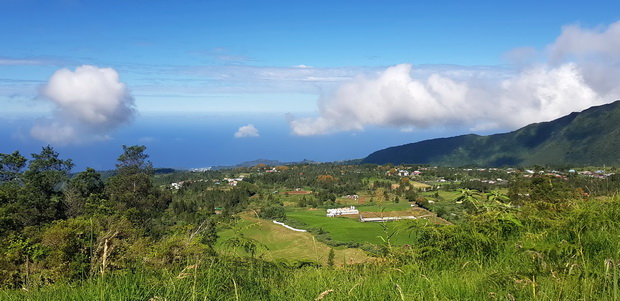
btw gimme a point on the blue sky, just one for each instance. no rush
(205, 83)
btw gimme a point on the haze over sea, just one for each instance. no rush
(205, 141)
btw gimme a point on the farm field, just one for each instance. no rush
(346, 229)
(281, 243)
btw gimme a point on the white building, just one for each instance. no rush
(341, 211)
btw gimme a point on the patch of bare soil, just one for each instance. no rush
(297, 192)
(416, 211)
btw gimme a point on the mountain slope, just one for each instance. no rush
(588, 137)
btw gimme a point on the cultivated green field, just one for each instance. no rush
(345, 229)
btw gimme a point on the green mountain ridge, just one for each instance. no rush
(590, 137)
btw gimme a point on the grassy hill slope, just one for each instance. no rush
(284, 244)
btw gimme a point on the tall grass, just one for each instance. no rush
(255, 280)
(568, 255)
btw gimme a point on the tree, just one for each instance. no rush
(411, 195)
(11, 174)
(47, 173)
(83, 190)
(45, 180)
(87, 182)
(48, 160)
(11, 166)
(134, 161)
(132, 187)
(273, 211)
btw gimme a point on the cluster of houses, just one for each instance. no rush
(233, 181)
(405, 173)
(200, 169)
(593, 174)
(229, 181)
(177, 185)
(601, 174)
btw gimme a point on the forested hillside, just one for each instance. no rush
(591, 137)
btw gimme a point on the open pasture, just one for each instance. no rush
(346, 229)
(281, 243)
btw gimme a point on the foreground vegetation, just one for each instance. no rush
(533, 235)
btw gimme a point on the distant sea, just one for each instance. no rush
(186, 142)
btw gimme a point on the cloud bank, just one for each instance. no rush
(578, 75)
(247, 131)
(90, 102)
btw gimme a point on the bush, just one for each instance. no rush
(275, 212)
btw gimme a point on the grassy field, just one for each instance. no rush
(419, 185)
(291, 199)
(285, 244)
(346, 229)
(446, 195)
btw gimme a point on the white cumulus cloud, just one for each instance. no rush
(576, 78)
(247, 131)
(582, 43)
(90, 102)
